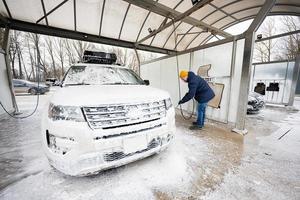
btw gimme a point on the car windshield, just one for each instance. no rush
(101, 75)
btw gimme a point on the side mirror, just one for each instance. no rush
(147, 82)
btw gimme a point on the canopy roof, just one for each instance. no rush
(144, 24)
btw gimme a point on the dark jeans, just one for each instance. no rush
(201, 114)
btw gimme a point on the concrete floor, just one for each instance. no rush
(213, 163)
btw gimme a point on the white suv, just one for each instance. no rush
(105, 116)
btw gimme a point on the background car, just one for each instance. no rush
(52, 82)
(255, 103)
(24, 86)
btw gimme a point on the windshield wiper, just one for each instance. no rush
(74, 84)
(120, 83)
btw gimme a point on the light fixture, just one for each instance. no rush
(259, 36)
(195, 2)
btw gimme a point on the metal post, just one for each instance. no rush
(244, 86)
(232, 71)
(247, 64)
(296, 71)
(8, 69)
(138, 60)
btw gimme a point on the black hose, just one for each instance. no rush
(36, 105)
(22, 117)
(179, 88)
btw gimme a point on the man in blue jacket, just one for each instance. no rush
(200, 90)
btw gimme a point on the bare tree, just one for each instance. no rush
(13, 42)
(69, 51)
(80, 47)
(265, 49)
(36, 41)
(19, 54)
(50, 50)
(121, 54)
(60, 54)
(291, 44)
(31, 56)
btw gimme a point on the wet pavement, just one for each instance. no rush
(213, 163)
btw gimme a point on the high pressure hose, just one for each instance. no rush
(179, 88)
(37, 99)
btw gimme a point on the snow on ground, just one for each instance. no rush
(209, 164)
(272, 171)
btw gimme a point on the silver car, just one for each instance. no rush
(24, 86)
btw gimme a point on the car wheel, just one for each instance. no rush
(33, 91)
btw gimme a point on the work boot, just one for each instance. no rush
(195, 127)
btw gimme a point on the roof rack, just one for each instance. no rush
(99, 57)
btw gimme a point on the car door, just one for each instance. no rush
(20, 86)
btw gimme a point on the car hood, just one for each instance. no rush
(92, 95)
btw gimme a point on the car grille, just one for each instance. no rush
(109, 157)
(118, 115)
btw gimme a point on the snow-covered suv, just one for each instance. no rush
(105, 116)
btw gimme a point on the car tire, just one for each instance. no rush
(32, 91)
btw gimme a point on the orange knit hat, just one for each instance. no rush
(183, 74)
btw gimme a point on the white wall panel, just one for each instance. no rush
(5, 96)
(236, 79)
(169, 78)
(220, 59)
(29, 10)
(163, 74)
(62, 17)
(88, 22)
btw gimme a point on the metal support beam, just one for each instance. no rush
(247, 64)
(221, 10)
(232, 72)
(212, 44)
(171, 34)
(278, 36)
(101, 19)
(6, 8)
(244, 84)
(58, 32)
(165, 21)
(165, 11)
(44, 11)
(261, 15)
(51, 11)
(75, 15)
(8, 69)
(176, 19)
(124, 18)
(183, 35)
(295, 77)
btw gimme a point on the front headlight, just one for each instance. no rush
(73, 113)
(168, 103)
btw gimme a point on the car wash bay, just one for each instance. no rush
(213, 163)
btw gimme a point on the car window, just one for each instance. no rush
(101, 75)
(17, 82)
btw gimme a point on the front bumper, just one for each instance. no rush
(91, 151)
